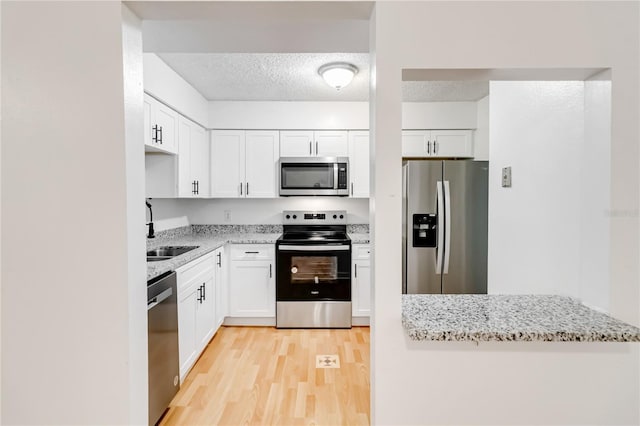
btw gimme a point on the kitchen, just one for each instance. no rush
(385, 315)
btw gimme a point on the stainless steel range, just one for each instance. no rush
(313, 272)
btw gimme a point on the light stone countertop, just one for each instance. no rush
(470, 317)
(206, 242)
(210, 237)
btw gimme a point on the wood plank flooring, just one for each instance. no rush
(266, 376)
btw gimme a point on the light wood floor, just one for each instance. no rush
(265, 376)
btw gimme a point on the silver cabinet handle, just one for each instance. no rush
(316, 147)
(435, 147)
(240, 188)
(428, 147)
(356, 266)
(310, 152)
(352, 188)
(247, 192)
(270, 275)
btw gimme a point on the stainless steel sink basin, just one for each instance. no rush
(167, 252)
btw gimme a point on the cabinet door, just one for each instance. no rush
(227, 163)
(414, 143)
(452, 143)
(296, 144)
(252, 290)
(359, 163)
(148, 131)
(361, 288)
(167, 121)
(186, 186)
(188, 351)
(199, 160)
(220, 283)
(206, 315)
(329, 143)
(261, 161)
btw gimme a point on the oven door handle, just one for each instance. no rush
(314, 248)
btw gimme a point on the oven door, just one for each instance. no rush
(313, 272)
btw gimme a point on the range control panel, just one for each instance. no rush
(425, 230)
(325, 217)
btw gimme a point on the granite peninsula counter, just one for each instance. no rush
(486, 318)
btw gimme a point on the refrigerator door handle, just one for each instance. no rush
(447, 222)
(440, 210)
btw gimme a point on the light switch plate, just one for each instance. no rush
(506, 177)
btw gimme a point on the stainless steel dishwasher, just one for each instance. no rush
(164, 367)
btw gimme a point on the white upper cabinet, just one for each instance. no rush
(244, 163)
(193, 160)
(160, 126)
(321, 143)
(261, 164)
(296, 143)
(437, 143)
(359, 163)
(329, 143)
(227, 163)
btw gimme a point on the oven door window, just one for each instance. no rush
(314, 270)
(307, 176)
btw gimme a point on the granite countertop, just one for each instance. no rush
(207, 239)
(359, 237)
(210, 237)
(449, 317)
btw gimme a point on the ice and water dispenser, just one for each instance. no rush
(425, 230)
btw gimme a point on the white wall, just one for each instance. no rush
(438, 115)
(66, 330)
(335, 115)
(445, 383)
(595, 218)
(537, 128)
(134, 153)
(481, 134)
(166, 85)
(252, 211)
(288, 115)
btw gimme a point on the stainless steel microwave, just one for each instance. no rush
(314, 176)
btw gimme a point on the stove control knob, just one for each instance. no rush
(288, 216)
(341, 216)
(335, 216)
(295, 216)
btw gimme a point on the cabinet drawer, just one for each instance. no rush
(361, 251)
(252, 252)
(194, 269)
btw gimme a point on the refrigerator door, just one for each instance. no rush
(467, 214)
(421, 192)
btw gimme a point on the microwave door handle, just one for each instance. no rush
(335, 175)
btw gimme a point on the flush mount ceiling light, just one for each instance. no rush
(338, 74)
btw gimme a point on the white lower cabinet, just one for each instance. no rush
(196, 309)
(222, 294)
(252, 285)
(361, 281)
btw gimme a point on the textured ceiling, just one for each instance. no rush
(272, 76)
(294, 77)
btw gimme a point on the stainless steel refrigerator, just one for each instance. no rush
(445, 226)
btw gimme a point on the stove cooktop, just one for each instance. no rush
(315, 236)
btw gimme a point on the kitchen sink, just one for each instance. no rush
(167, 252)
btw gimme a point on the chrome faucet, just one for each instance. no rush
(151, 232)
